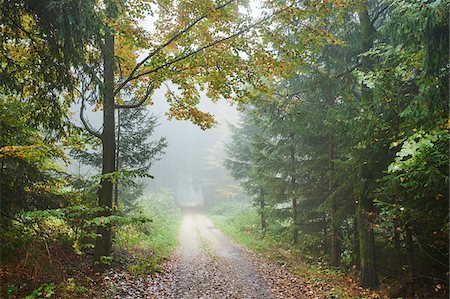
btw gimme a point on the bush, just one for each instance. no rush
(151, 242)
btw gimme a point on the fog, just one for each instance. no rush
(192, 165)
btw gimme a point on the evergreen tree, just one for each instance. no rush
(135, 154)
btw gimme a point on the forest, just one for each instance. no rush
(334, 178)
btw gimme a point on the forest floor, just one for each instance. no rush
(208, 264)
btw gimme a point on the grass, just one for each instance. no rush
(240, 222)
(151, 243)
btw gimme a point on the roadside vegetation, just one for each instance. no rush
(49, 254)
(150, 243)
(240, 221)
(349, 155)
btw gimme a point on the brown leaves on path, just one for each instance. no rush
(209, 265)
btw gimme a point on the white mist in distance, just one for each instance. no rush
(192, 166)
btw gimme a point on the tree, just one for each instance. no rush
(39, 50)
(217, 62)
(243, 166)
(36, 57)
(365, 208)
(136, 153)
(29, 175)
(370, 102)
(414, 76)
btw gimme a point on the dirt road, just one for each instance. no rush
(209, 265)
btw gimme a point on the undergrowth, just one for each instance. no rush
(150, 243)
(48, 254)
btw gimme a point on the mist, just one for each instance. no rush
(192, 166)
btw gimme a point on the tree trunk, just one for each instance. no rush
(335, 238)
(369, 277)
(335, 228)
(293, 194)
(365, 205)
(105, 200)
(262, 205)
(397, 245)
(325, 234)
(355, 243)
(396, 228)
(410, 257)
(295, 220)
(116, 185)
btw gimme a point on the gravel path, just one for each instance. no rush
(209, 265)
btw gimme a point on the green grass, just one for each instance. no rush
(240, 221)
(151, 243)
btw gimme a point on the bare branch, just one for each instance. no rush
(378, 14)
(148, 92)
(86, 124)
(162, 46)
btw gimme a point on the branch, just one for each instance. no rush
(168, 42)
(163, 6)
(150, 88)
(86, 124)
(347, 71)
(378, 14)
(201, 49)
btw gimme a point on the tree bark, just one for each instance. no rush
(369, 277)
(335, 238)
(325, 234)
(105, 200)
(262, 205)
(294, 197)
(410, 257)
(365, 204)
(116, 185)
(396, 229)
(335, 228)
(355, 240)
(295, 220)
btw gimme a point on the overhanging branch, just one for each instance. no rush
(148, 92)
(201, 49)
(378, 14)
(162, 46)
(86, 124)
